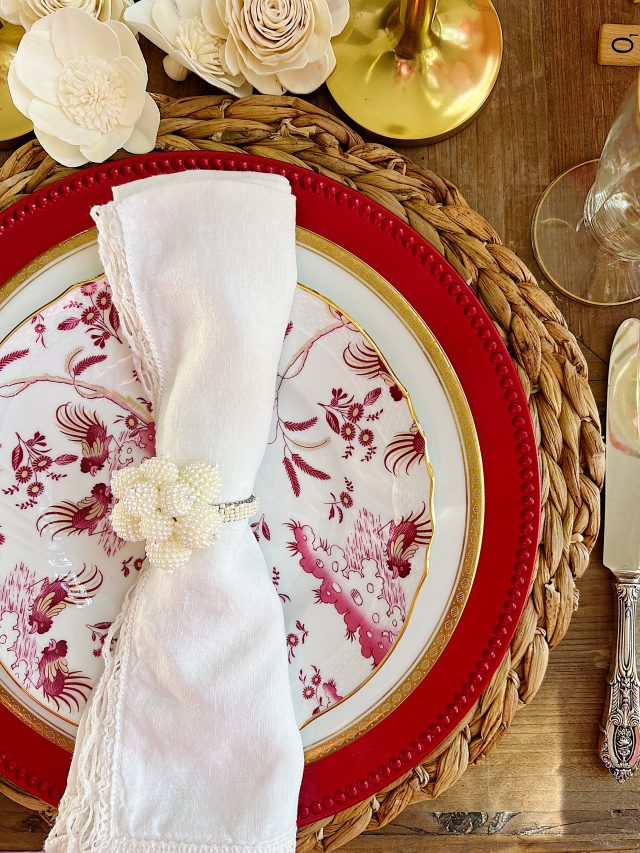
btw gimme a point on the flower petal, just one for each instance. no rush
(175, 69)
(74, 33)
(187, 8)
(37, 66)
(339, 11)
(62, 152)
(321, 37)
(235, 84)
(135, 84)
(16, 12)
(139, 15)
(20, 95)
(265, 83)
(144, 135)
(311, 77)
(268, 84)
(112, 10)
(10, 11)
(129, 46)
(211, 14)
(52, 121)
(240, 90)
(106, 145)
(166, 19)
(231, 57)
(25, 20)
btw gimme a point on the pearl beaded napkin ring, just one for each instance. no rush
(172, 509)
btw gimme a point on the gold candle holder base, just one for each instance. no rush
(13, 124)
(414, 72)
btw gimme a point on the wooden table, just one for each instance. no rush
(543, 788)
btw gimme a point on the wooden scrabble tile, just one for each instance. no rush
(619, 44)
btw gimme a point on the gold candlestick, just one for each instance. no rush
(417, 70)
(12, 123)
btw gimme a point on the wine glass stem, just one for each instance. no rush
(416, 23)
(591, 222)
(599, 220)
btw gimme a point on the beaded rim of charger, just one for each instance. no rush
(172, 509)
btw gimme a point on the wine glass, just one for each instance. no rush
(416, 70)
(12, 123)
(586, 226)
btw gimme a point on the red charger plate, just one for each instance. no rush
(505, 434)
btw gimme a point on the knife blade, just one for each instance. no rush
(620, 745)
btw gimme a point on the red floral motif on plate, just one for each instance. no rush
(352, 562)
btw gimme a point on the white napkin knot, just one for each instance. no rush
(172, 509)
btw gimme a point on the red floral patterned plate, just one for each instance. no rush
(347, 495)
(332, 447)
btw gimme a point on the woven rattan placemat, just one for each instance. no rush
(548, 359)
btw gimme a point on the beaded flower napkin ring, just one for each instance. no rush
(172, 509)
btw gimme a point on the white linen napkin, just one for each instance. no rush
(189, 743)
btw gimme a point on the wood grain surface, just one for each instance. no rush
(543, 788)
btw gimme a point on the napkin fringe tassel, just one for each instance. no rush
(82, 821)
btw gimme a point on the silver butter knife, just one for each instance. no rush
(620, 748)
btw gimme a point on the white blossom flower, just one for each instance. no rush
(183, 30)
(27, 12)
(281, 44)
(83, 85)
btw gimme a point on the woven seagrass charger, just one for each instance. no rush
(548, 359)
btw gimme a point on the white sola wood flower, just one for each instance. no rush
(273, 45)
(27, 12)
(188, 32)
(83, 83)
(282, 44)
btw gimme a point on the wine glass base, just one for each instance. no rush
(566, 251)
(13, 124)
(429, 96)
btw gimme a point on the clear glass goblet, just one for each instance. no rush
(586, 226)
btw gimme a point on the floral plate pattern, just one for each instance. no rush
(346, 524)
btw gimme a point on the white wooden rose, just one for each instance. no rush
(83, 85)
(282, 44)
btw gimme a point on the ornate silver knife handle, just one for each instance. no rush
(620, 749)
